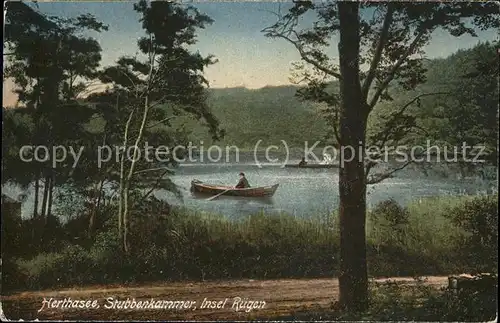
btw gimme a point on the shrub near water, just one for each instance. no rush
(187, 246)
(180, 245)
(478, 218)
(433, 236)
(389, 223)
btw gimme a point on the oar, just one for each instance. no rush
(216, 196)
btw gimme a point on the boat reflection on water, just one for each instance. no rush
(238, 199)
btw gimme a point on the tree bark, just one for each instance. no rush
(353, 278)
(37, 192)
(125, 188)
(128, 179)
(122, 172)
(93, 215)
(123, 200)
(35, 208)
(46, 185)
(50, 197)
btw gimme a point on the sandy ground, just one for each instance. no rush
(281, 297)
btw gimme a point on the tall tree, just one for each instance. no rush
(49, 61)
(147, 94)
(388, 38)
(470, 115)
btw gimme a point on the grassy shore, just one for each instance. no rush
(436, 236)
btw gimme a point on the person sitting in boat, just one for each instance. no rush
(303, 162)
(243, 183)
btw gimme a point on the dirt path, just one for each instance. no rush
(269, 298)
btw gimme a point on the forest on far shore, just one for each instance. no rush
(468, 113)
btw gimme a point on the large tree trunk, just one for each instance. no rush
(353, 278)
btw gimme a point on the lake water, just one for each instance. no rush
(307, 192)
(313, 192)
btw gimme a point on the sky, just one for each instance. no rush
(246, 58)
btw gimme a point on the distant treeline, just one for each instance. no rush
(467, 112)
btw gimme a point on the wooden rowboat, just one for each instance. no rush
(312, 166)
(265, 191)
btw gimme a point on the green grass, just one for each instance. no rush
(421, 239)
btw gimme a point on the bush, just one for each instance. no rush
(389, 222)
(478, 218)
(390, 212)
(172, 244)
(464, 306)
(192, 246)
(72, 266)
(12, 277)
